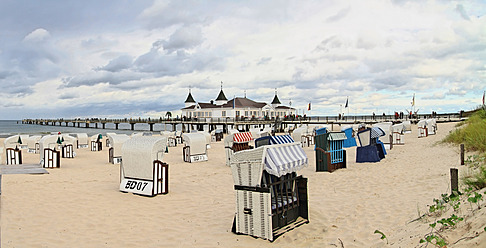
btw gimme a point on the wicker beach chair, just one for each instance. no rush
(50, 156)
(422, 128)
(431, 126)
(398, 131)
(115, 151)
(330, 154)
(142, 170)
(371, 149)
(33, 144)
(82, 140)
(96, 142)
(270, 198)
(387, 138)
(171, 138)
(195, 147)
(350, 140)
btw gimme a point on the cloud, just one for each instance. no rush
(460, 9)
(37, 35)
(66, 96)
(184, 38)
(99, 77)
(118, 64)
(340, 15)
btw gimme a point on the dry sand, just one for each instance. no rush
(79, 205)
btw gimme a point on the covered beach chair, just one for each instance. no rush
(50, 156)
(397, 136)
(82, 140)
(171, 138)
(407, 125)
(302, 135)
(422, 128)
(350, 140)
(330, 154)
(142, 170)
(195, 147)
(387, 138)
(217, 135)
(431, 126)
(115, 150)
(108, 144)
(15, 141)
(33, 144)
(370, 149)
(270, 197)
(96, 142)
(68, 146)
(236, 142)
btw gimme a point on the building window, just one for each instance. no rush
(237, 113)
(223, 113)
(246, 113)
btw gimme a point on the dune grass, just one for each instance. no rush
(473, 135)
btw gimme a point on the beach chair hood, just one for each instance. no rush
(196, 142)
(242, 137)
(284, 158)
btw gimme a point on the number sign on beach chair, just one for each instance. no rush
(270, 198)
(14, 156)
(142, 170)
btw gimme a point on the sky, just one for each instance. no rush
(122, 58)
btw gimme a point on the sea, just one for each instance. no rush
(14, 127)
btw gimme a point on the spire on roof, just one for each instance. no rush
(189, 98)
(221, 96)
(275, 99)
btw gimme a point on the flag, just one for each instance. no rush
(413, 100)
(483, 97)
(309, 108)
(345, 106)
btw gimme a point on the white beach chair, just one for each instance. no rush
(33, 144)
(398, 131)
(407, 125)
(208, 138)
(431, 126)
(387, 138)
(171, 138)
(195, 147)
(236, 142)
(50, 156)
(142, 170)
(82, 140)
(270, 197)
(96, 142)
(115, 151)
(422, 128)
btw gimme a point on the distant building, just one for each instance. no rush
(237, 107)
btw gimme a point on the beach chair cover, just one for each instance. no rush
(422, 123)
(242, 137)
(321, 131)
(207, 136)
(69, 140)
(13, 141)
(272, 140)
(139, 154)
(31, 141)
(116, 142)
(282, 159)
(255, 132)
(82, 138)
(196, 142)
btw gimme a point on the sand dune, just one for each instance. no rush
(79, 205)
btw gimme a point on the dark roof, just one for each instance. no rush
(244, 102)
(284, 107)
(275, 100)
(189, 98)
(221, 96)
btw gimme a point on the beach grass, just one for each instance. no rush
(473, 136)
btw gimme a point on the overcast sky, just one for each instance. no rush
(122, 58)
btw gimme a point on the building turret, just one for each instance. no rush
(276, 102)
(189, 100)
(221, 99)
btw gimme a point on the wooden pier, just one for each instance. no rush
(188, 124)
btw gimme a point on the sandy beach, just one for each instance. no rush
(79, 205)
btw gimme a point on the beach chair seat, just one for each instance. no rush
(67, 151)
